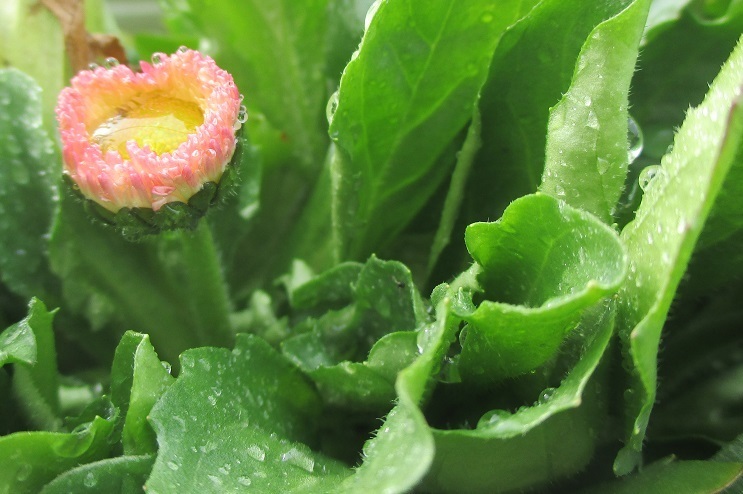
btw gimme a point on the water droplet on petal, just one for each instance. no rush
(634, 138)
(242, 115)
(110, 62)
(183, 49)
(93, 66)
(157, 58)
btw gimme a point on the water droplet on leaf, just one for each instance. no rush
(331, 107)
(90, 480)
(634, 138)
(24, 472)
(647, 175)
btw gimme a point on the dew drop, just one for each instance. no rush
(244, 481)
(560, 191)
(242, 115)
(298, 459)
(331, 107)
(493, 417)
(255, 452)
(24, 472)
(182, 49)
(157, 58)
(173, 465)
(110, 63)
(90, 480)
(546, 395)
(634, 139)
(93, 66)
(647, 175)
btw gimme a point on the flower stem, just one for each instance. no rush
(200, 284)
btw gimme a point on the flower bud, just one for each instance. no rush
(149, 149)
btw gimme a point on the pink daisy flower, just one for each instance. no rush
(150, 138)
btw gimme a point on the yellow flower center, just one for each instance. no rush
(150, 119)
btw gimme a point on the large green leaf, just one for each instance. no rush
(587, 149)
(531, 70)
(543, 264)
(29, 168)
(239, 419)
(402, 100)
(661, 239)
(538, 444)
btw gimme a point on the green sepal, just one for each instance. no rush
(136, 223)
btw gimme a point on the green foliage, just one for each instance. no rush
(446, 264)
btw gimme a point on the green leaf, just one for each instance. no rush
(18, 344)
(401, 451)
(274, 51)
(35, 384)
(329, 288)
(662, 88)
(531, 70)
(122, 475)
(402, 100)
(457, 190)
(670, 477)
(586, 153)
(543, 263)
(238, 419)
(534, 445)
(31, 459)
(661, 239)
(169, 286)
(383, 308)
(33, 42)
(138, 379)
(28, 193)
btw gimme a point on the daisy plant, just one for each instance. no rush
(458, 247)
